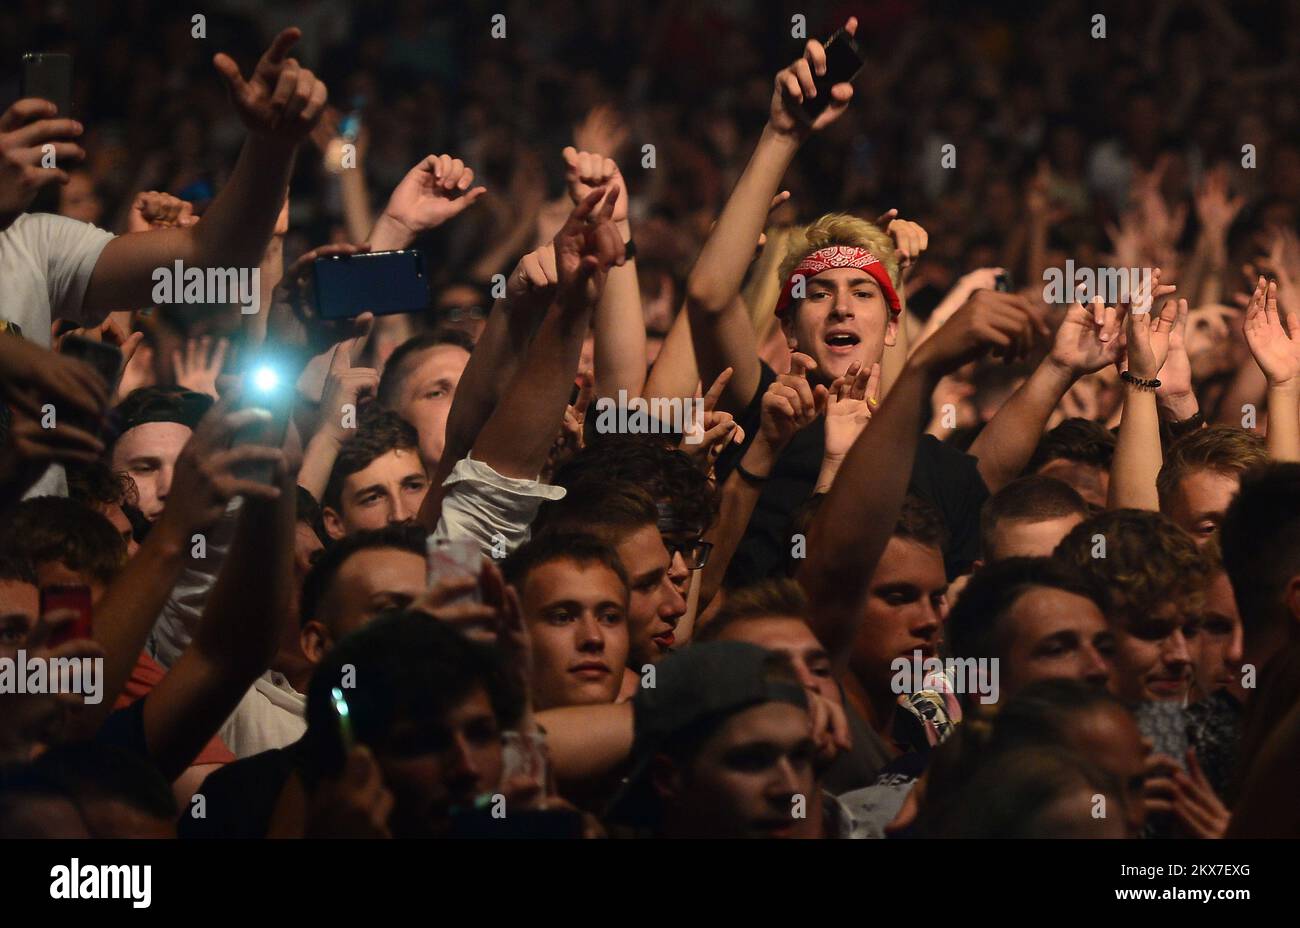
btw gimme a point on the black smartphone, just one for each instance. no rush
(385, 283)
(103, 357)
(266, 384)
(1002, 283)
(48, 75)
(844, 59)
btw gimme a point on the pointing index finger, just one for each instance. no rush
(286, 40)
(715, 391)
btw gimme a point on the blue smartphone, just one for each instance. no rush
(385, 283)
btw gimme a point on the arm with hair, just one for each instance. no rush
(723, 336)
(237, 227)
(619, 321)
(1277, 352)
(1138, 455)
(587, 742)
(241, 626)
(852, 528)
(518, 436)
(1086, 341)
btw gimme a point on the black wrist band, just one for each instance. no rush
(629, 249)
(749, 477)
(1183, 426)
(1152, 384)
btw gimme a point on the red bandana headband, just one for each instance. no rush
(839, 256)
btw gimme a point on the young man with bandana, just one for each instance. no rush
(839, 305)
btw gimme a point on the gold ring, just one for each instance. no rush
(873, 402)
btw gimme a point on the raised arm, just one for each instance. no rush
(1138, 456)
(852, 527)
(203, 485)
(1277, 352)
(517, 437)
(279, 104)
(722, 336)
(1087, 340)
(242, 622)
(619, 322)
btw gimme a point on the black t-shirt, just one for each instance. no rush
(941, 475)
(240, 798)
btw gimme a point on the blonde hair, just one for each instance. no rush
(840, 229)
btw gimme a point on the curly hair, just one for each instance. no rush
(1223, 449)
(1147, 562)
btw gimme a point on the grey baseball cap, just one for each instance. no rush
(698, 685)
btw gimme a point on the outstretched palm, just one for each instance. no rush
(1276, 349)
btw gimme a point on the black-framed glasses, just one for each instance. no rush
(695, 552)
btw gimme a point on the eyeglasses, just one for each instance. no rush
(461, 313)
(695, 552)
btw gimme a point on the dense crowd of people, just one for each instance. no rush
(750, 471)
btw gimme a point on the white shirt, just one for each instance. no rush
(486, 507)
(271, 715)
(45, 267)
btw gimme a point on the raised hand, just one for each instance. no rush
(153, 210)
(601, 132)
(586, 247)
(30, 719)
(791, 403)
(709, 435)
(1003, 323)
(25, 128)
(910, 239)
(796, 82)
(1215, 210)
(205, 480)
(853, 398)
(1276, 349)
(1089, 338)
(281, 100)
(436, 190)
(586, 170)
(1148, 338)
(200, 366)
(31, 376)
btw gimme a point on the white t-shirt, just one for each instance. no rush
(45, 266)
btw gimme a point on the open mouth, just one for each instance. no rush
(842, 341)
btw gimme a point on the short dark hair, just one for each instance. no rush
(973, 627)
(666, 473)
(609, 509)
(379, 432)
(778, 596)
(548, 547)
(920, 521)
(1223, 449)
(399, 364)
(1075, 439)
(54, 528)
(1150, 561)
(404, 536)
(405, 665)
(17, 569)
(1260, 536)
(1034, 498)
